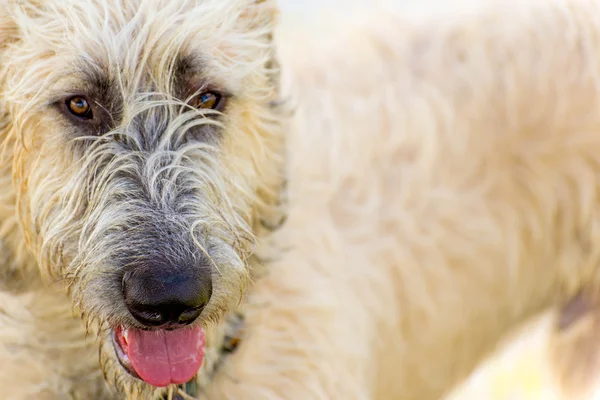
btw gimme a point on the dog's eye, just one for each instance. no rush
(207, 100)
(80, 107)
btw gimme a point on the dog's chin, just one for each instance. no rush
(160, 357)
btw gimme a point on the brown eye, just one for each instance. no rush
(80, 107)
(207, 100)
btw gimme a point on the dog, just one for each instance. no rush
(366, 224)
(142, 150)
(441, 192)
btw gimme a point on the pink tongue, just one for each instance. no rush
(163, 357)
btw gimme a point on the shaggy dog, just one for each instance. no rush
(440, 178)
(142, 154)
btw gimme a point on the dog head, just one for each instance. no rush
(143, 145)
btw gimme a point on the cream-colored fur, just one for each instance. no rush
(442, 188)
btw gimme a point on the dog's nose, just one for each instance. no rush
(159, 296)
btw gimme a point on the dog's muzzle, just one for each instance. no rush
(165, 300)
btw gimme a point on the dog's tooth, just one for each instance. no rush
(125, 334)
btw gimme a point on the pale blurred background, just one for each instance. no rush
(519, 369)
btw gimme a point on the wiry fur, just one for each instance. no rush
(442, 186)
(162, 179)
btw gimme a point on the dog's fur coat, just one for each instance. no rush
(442, 186)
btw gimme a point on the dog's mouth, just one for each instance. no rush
(160, 357)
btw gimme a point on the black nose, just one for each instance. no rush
(157, 296)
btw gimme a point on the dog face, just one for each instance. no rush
(142, 140)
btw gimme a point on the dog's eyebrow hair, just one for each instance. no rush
(95, 77)
(86, 77)
(188, 64)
